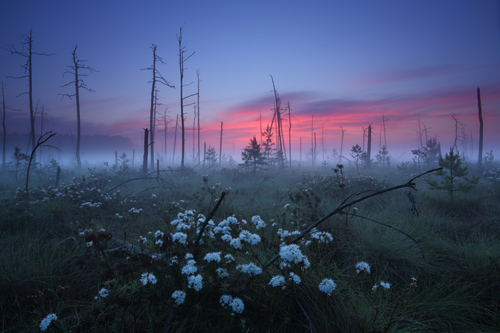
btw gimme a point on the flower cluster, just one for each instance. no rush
(251, 269)
(148, 278)
(236, 303)
(291, 254)
(195, 282)
(327, 286)
(362, 266)
(179, 296)
(47, 321)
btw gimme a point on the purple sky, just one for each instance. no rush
(345, 62)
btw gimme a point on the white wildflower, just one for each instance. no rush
(148, 278)
(258, 222)
(295, 278)
(103, 292)
(225, 300)
(189, 269)
(47, 321)
(179, 296)
(386, 285)
(327, 286)
(222, 272)
(237, 305)
(278, 281)
(236, 243)
(250, 269)
(195, 282)
(179, 237)
(212, 256)
(362, 266)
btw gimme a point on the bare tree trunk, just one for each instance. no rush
(4, 107)
(480, 115)
(28, 44)
(79, 83)
(175, 137)
(385, 137)
(312, 141)
(194, 129)
(369, 151)
(341, 144)
(300, 162)
(314, 152)
(289, 133)
(157, 78)
(182, 59)
(145, 157)
(220, 150)
(30, 75)
(204, 153)
(78, 126)
(198, 108)
(151, 107)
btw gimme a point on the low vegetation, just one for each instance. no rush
(240, 250)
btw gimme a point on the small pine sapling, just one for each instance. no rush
(454, 176)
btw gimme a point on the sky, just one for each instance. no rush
(342, 65)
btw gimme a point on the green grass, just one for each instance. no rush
(452, 250)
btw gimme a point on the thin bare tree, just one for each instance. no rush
(5, 107)
(157, 78)
(76, 71)
(198, 109)
(182, 59)
(27, 52)
(289, 132)
(220, 150)
(480, 115)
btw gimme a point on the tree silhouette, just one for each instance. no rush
(75, 70)
(453, 176)
(28, 70)
(157, 78)
(252, 156)
(182, 59)
(357, 154)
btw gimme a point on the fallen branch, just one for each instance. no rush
(410, 184)
(197, 242)
(388, 226)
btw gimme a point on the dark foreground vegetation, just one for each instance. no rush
(109, 250)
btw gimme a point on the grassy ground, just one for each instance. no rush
(443, 265)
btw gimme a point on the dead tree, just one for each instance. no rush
(280, 146)
(75, 70)
(28, 71)
(289, 132)
(480, 115)
(182, 59)
(194, 129)
(369, 149)
(457, 122)
(157, 78)
(198, 109)
(166, 121)
(341, 144)
(5, 107)
(145, 156)
(175, 137)
(220, 150)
